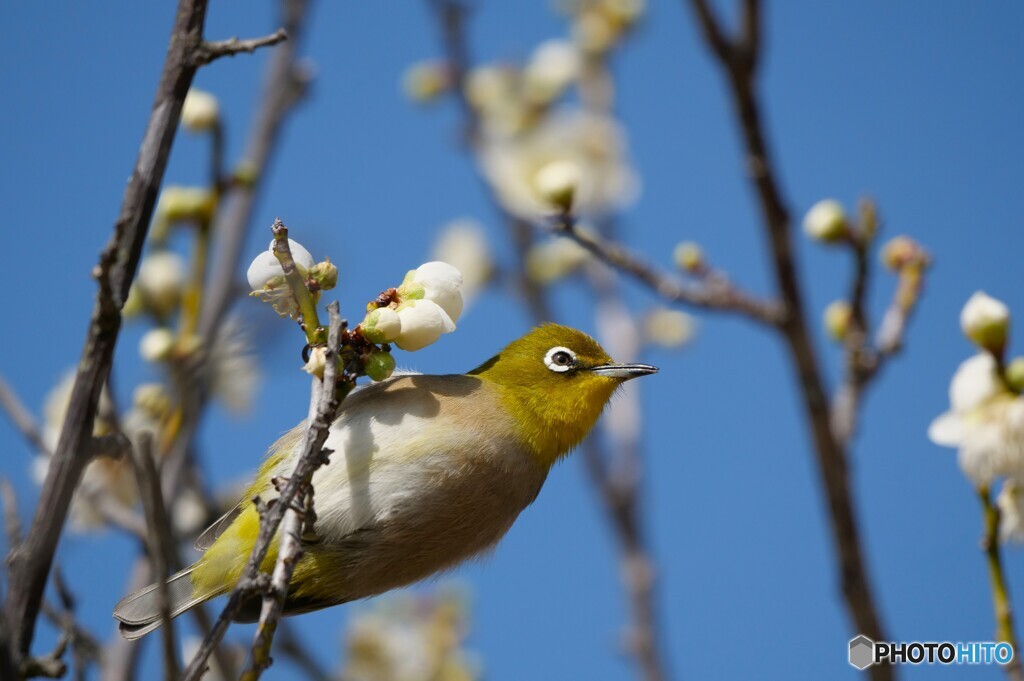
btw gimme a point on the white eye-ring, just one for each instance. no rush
(560, 359)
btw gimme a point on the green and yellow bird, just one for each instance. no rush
(427, 471)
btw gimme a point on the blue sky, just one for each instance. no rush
(916, 104)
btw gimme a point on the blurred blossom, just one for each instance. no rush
(986, 322)
(181, 204)
(669, 328)
(464, 245)
(156, 344)
(688, 256)
(425, 81)
(594, 32)
(826, 221)
(494, 91)
(235, 374)
(200, 111)
(985, 421)
(410, 638)
(550, 260)
(553, 67)
(557, 183)
(594, 144)
(1010, 503)
(837, 319)
(161, 281)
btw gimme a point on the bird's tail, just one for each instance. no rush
(139, 613)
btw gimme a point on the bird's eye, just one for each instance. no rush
(560, 359)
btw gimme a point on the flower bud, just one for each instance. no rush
(200, 111)
(551, 260)
(381, 325)
(161, 280)
(557, 183)
(594, 32)
(837, 318)
(317, 361)
(986, 322)
(899, 251)
(325, 274)
(826, 221)
(1015, 375)
(437, 282)
(266, 266)
(689, 257)
(423, 322)
(669, 328)
(554, 65)
(181, 204)
(425, 81)
(152, 398)
(380, 365)
(156, 344)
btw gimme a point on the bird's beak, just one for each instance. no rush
(624, 371)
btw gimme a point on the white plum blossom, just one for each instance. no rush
(513, 165)
(553, 66)
(986, 321)
(558, 182)
(423, 322)
(985, 422)
(200, 111)
(265, 267)
(669, 328)
(826, 221)
(437, 282)
(381, 325)
(549, 261)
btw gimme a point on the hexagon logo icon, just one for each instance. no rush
(862, 652)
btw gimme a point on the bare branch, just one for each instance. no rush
(159, 542)
(311, 457)
(30, 566)
(738, 62)
(715, 294)
(211, 50)
(20, 416)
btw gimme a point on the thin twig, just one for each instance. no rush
(715, 294)
(738, 59)
(215, 49)
(1000, 590)
(311, 458)
(159, 542)
(20, 416)
(30, 566)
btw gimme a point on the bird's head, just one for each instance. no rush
(555, 381)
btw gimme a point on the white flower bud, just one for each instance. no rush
(549, 261)
(837, 318)
(156, 345)
(826, 221)
(986, 321)
(200, 111)
(423, 322)
(554, 65)
(382, 325)
(266, 265)
(669, 328)
(557, 183)
(161, 280)
(688, 256)
(317, 362)
(438, 282)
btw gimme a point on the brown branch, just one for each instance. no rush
(210, 50)
(159, 542)
(716, 293)
(20, 416)
(313, 455)
(30, 566)
(738, 59)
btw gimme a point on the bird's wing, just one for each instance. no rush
(210, 534)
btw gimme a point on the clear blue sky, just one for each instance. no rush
(918, 104)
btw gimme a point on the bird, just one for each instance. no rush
(426, 471)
